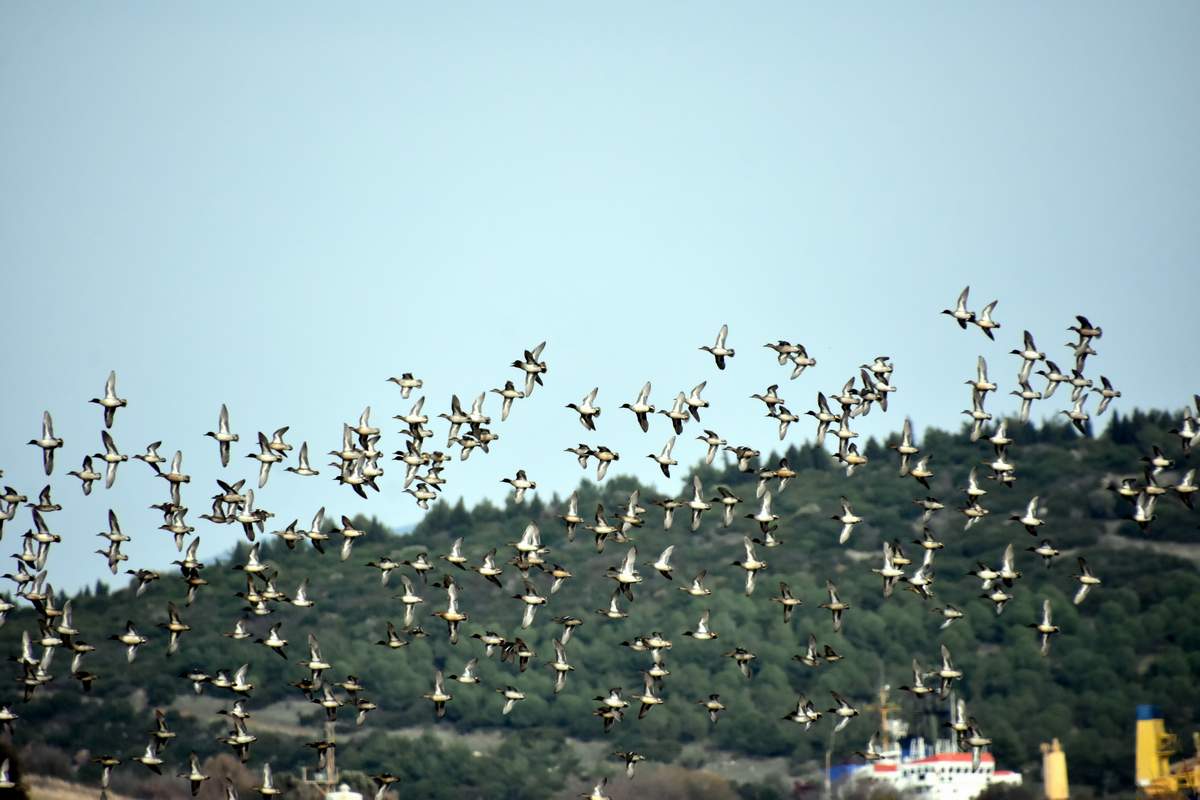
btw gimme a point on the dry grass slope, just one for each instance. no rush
(44, 787)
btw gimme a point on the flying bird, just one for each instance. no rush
(719, 351)
(960, 313)
(222, 435)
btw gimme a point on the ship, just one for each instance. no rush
(930, 769)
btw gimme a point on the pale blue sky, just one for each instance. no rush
(279, 205)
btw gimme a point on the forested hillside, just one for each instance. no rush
(1134, 639)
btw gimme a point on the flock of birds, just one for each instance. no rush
(357, 465)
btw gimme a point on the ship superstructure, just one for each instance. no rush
(933, 769)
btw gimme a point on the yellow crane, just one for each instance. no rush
(1156, 776)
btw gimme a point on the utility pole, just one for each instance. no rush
(330, 758)
(829, 766)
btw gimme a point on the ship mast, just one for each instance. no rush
(884, 707)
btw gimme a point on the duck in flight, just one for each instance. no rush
(751, 564)
(985, 322)
(110, 402)
(663, 459)
(719, 351)
(679, 413)
(222, 435)
(834, 606)
(532, 367)
(641, 408)
(48, 442)
(407, 383)
(960, 313)
(86, 475)
(844, 710)
(509, 393)
(1045, 627)
(520, 484)
(587, 409)
(1086, 581)
(439, 696)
